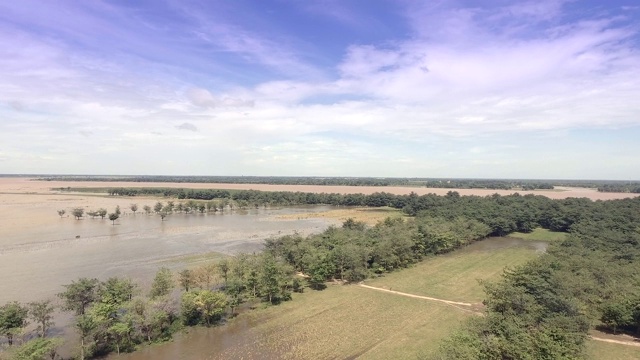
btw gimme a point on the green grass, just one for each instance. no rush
(455, 276)
(540, 234)
(601, 350)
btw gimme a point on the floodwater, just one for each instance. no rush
(241, 340)
(36, 261)
(209, 343)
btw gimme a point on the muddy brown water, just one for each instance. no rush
(38, 261)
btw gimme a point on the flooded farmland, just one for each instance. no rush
(56, 250)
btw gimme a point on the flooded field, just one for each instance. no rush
(42, 251)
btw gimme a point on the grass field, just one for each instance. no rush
(601, 350)
(351, 321)
(455, 276)
(540, 234)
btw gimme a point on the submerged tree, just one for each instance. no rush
(61, 212)
(134, 208)
(113, 217)
(102, 212)
(78, 213)
(13, 317)
(157, 207)
(41, 312)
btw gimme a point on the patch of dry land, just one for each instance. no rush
(369, 216)
(23, 185)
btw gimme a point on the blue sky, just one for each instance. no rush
(493, 89)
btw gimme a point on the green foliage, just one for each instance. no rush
(543, 310)
(162, 283)
(37, 349)
(41, 312)
(79, 295)
(202, 307)
(13, 317)
(353, 252)
(186, 279)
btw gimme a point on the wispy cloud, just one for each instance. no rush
(473, 86)
(187, 126)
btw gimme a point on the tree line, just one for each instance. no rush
(503, 214)
(451, 183)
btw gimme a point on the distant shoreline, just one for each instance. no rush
(25, 185)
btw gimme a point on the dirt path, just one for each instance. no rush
(456, 304)
(621, 342)
(417, 296)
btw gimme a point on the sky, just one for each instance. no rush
(543, 89)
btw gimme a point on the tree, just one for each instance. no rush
(79, 295)
(85, 324)
(157, 207)
(223, 267)
(38, 349)
(62, 212)
(211, 305)
(134, 208)
(41, 312)
(102, 212)
(78, 212)
(162, 283)
(116, 291)
(205, 275)
(202, 306)
(186, 279)
(120, 332)
(616, 315)
(147, 209)
(113, 217)
(13, 317)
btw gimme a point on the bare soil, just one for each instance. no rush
(25, 185)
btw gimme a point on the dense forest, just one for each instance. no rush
(544, 309)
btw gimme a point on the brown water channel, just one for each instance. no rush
(241, 340)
